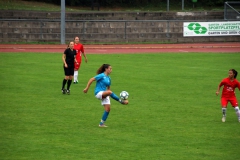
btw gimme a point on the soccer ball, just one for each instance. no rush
(124, 95)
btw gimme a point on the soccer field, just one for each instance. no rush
(173, 112)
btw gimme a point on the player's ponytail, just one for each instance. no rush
(102, 68)
(68, 45)
(234, 72)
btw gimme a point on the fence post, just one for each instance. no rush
(84, 29)
(167, 5)
(62, 21)
(41, 32)
(168, 29)
(182, 4)
(125, 29)
(225, 11)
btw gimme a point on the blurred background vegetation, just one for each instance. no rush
(114, 5)
(140, 3)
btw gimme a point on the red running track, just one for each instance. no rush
(138, 48)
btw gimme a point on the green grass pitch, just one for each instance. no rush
(173, 112)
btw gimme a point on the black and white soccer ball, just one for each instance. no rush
(124, 95)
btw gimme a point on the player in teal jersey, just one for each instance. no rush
(102, 90)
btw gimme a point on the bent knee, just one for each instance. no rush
(109, 92)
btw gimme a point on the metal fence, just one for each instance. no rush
(232, 10)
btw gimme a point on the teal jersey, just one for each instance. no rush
(103, 81)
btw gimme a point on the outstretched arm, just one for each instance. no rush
(88, 84)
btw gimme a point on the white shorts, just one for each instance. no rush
(104, 100)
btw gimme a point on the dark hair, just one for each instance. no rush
(103, 68)
(69, 44)
(234, 72)
(76, 37)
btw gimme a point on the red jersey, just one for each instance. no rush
(79, 48)
(229, 87)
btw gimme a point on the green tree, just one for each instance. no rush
(130, 3)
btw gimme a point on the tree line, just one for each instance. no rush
(129, 3)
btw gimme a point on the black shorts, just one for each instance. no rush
(69, 71)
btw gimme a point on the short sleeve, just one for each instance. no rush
(65, 52)
(99, 76)
(222, 82)
(82, 49)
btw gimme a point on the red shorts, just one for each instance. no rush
(232, 100)
(77, 65)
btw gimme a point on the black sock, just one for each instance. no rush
(69, 84)
(63, 83)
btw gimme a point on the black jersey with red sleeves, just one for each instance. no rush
(70, 56)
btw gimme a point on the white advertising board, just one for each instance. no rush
(211, 28)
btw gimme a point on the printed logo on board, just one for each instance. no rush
(197, 28)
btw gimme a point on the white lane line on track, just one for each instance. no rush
(101, 50)
(182, 51)
(19, 49)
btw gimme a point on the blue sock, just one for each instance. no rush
(104, 117)
(114, 96)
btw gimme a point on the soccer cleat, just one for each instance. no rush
(68, 92)
(124, 102)
(77, 82)
(74, 82)
(223, 119)
(121, 101)
(63, 91)
(102, 125)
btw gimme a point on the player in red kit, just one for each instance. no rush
(80, 50)
(228, 93)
